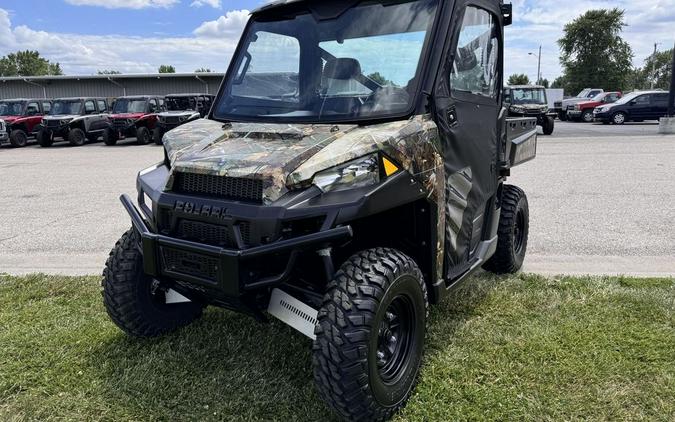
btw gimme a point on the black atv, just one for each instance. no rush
(530, 101)
(341, 201)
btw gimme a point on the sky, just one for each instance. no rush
(136, 36)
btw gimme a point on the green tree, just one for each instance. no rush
(27, 63)
(377, 77)
(657, 70)
(203, 70)
(545, 83)
(167, 68)
(593, 54)
(559, 82)
(519, 79)
(109, 72)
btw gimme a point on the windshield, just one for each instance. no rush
(361, 65)
(66, 107)
(528, 96)
(11, 108)
(628, 98)
(180, 103)
(584, 93)
(125, 105)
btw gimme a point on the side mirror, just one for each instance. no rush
(507, 14)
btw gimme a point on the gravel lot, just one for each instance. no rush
(602, 201)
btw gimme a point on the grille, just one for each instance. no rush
(212, 234)
(53, 123)
(190, 263)
(220, 186)
(172, 120)
(119, 123)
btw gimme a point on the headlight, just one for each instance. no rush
(364, 171)
(517, 109)
(65, 121)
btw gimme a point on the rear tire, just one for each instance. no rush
(134, 301)
(549, 125)
(76, 137)
(142, 135)
(157, 135)
(18, 138)
(45, 139)
(370, 335)
(512, 235)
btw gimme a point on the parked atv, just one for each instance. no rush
(75, 120)
(340, 203)
(22, 118)
(530, 101)
(181, 109)
(135, 117)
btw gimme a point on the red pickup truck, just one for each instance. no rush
(583, 111)
(22, 118)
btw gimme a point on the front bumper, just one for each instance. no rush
(601, 116)
(574, 113)
(172, 258)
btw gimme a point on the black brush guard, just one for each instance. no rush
(228, 284)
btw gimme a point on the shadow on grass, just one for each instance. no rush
(227, 366)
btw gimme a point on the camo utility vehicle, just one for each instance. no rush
(135, 117)
(530, 101)
(75, 120)
(22, 118)
(181, 109)
(350, 173)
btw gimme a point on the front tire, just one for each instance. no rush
(18, 138)
(157, 135)
(76, 137)
(109, 137)
(619, 118)
(134, 301)
(370, 335)
(45, 139)
(549, 125)
(587, 116)
(142, 135)
(512, 236)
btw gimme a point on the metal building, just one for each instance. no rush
(110, 86)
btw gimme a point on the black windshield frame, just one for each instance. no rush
(417, 103)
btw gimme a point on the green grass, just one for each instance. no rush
(523, 347)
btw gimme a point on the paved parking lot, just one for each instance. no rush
(602, 201)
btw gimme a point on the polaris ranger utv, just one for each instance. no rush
(75, 120)
(530, 101)
(134, 116)
(181, 109)
(22, 118)
(350, 173)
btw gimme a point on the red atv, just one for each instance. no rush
(22, 118)
(134, 116)
(583, 111)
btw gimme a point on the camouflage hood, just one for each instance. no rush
(281, 155)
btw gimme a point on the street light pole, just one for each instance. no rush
(538, 65)
(653, 74)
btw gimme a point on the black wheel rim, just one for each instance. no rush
(519, 232)
(395, 339)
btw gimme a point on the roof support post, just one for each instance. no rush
(124, 89)
(206, 84)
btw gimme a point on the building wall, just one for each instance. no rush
(102, 87)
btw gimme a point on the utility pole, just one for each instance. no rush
(539, 67)
(653, 74)
(671, 98)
